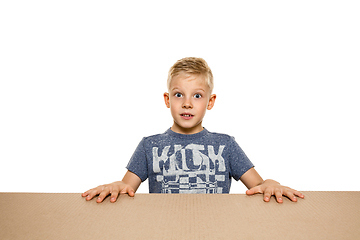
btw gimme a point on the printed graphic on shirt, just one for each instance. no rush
(188, 169)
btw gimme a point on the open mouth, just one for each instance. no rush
(186, 116)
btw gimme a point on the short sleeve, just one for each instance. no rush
(138, 162)
(239, 162)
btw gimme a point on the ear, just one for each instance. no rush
(211, 102)
(167, 99)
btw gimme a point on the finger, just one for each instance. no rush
(129, 190)
(88, 192)
(92, 193)
(84, 194)
(267, 195)
(299, 194)
(254, 190)
(114, 196)
(103, 194)
(290, 195)
(278, 195)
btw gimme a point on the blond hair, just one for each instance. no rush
(191, 65)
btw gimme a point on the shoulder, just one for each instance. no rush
(221, 137)
(156, 138)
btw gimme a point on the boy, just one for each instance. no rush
(187, 158)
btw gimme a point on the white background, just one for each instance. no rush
(82, 83)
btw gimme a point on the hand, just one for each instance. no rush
(270, 187)
(114, 189)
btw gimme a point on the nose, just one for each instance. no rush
(187, 104)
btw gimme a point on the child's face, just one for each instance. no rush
(188, 98)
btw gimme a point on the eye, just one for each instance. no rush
(178, 95)
(197, 95)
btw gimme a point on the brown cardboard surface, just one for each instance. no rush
(321, 215)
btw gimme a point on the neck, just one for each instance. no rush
(178, 129)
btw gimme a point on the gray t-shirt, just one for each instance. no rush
(197, 163)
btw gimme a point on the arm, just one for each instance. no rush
(129, 185)
(255, 184)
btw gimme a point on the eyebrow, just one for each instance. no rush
(197, 89)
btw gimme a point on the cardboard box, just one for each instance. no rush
(321, 215)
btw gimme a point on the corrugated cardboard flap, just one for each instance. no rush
(324, 215)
